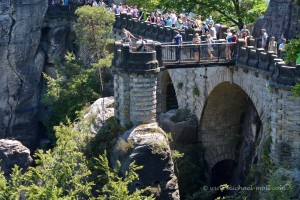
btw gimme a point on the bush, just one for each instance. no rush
(124, 146)
(292, 50)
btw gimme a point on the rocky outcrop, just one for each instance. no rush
(148, 146)
(181, 124)
(99, 112)
(280, 20)
(12, 152)
(21, 66)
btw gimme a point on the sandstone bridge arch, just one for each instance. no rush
(233, 108)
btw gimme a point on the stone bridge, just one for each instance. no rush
(219, 95)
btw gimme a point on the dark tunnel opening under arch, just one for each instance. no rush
(230, 129)
(169, 100)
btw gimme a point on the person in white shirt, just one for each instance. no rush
(264, 39)
(95, 3)
(212, 31)
(173, 18)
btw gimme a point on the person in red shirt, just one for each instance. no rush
(233, 46)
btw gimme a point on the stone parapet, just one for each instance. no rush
(268, 62)
(155, 32)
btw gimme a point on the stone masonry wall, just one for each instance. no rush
(278, 112)
(143, 98)
(135, 97)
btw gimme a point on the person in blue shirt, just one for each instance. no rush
(178, 41)
(169, 21)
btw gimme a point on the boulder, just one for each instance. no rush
(148, 146)
(181, 124)
(99, 112)
(12, 152)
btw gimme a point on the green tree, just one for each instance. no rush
(63, 174)
(73, 88)
(237, 12)
(78, 81)
(149, 5)
(292, 50)
(116, 187)
(93, 29)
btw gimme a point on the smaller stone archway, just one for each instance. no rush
(168, 94)
(223, 172)
(229, 129)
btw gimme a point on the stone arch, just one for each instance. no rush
(227, 111)
(168, 93)
(219, 75)
(223, 172)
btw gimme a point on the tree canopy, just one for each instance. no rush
(237, 12)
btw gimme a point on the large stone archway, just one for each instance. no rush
(230, 129)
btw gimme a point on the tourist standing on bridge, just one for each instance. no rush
(210, 48)
(229, 39)
(178, 41)
(282, 49)
(244, 30)
(272, 45)
(264, 39)
(197, 41)
(212, 31)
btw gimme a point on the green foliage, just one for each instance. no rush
(103, 139)
(63, 173)
(73, 88)
(116, 187)
(144, 5)
(296, 89)
(196, 91)
(280, 186)
(124, 146)
(12, 188)
(292, 50)
(237, 12)
(93, 28)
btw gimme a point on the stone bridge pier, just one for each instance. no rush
(135, 85)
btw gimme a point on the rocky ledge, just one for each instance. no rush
(148, 146)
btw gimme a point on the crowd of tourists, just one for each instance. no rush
(208, 29)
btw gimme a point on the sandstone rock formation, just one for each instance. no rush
(21, 66)
(147, 146)
(12, 152)
(182, 125)
(99, 112)
(280, 20)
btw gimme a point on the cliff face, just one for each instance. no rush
(21, 66)
(280, 20)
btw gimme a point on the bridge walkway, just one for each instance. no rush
(188, 54)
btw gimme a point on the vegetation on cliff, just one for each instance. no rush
(68, 172)
(292, 53)
(77, 167)
(78, 81)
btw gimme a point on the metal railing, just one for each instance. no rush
(199, 53)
